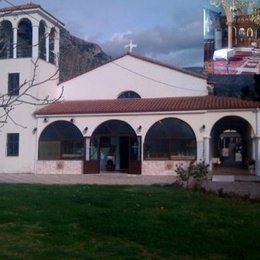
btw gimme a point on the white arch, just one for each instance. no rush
(42, 40)
(249, 133)
(232, 115)
(109, 120)
(151, 123)
(8, 44)
(78, 137)
(173, 118)
(24, 49)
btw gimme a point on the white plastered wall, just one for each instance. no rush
(129, 73)
(23, 114)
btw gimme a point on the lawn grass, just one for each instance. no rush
(124, 222)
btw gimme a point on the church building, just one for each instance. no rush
(133, 115)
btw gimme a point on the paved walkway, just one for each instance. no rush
(246, 189)
(245, 186)
(102, 179)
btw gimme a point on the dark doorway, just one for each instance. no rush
(231, 142)
(113, 149)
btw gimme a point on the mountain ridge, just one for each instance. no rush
(78, 56)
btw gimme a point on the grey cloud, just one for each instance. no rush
(165, 40)
(183, 58)
(162, 42)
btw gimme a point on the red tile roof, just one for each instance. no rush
(20, 7)
(146, 105)
(27, 6)
(173, 67)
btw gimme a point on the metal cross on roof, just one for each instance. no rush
(130, 46)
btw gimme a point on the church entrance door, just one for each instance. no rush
(113, 147)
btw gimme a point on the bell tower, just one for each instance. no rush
(28, 31)
(29, 62)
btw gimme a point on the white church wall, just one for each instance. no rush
(22, 119)
(22, 66)
(25, 67)
(108, 81)
(23, 115)
(50, 87)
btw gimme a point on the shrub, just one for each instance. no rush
(183, 174)
(196, 170)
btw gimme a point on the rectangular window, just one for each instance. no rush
(12, 144)
(13, 84)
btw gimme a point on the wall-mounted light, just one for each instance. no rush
(203, 127)
(34, 130)
(85, 130)
(139, 129)
(45, 120)
(72, 120)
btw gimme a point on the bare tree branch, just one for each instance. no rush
(27, 92)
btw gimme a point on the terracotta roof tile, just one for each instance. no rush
(20, 7)
(146, 105)
(27, 6)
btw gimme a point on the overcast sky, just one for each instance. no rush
(167, 30)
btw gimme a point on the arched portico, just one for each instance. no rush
(113, 146)
(231, 143)
(169, 142)
(61, 140)
(170, 138)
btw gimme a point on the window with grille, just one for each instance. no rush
(12, 144)
(13, 84)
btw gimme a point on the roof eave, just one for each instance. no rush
(199, 111)
(35, 9)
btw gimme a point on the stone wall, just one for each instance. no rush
(59, 167)
(168, 167)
